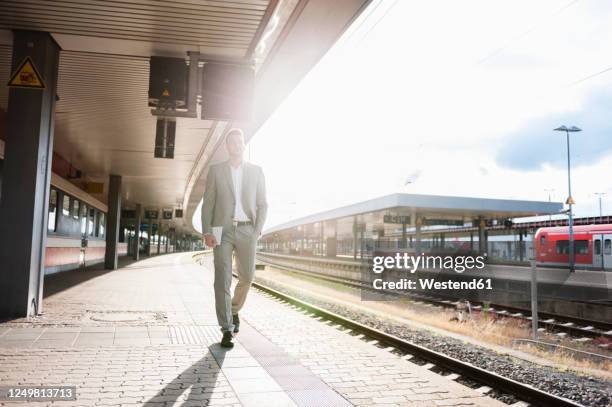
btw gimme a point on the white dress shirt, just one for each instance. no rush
(239, 214)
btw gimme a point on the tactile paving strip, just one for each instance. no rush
(194, 335)
(301, 385)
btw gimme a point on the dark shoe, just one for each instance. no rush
(236, 322)
(226, 342)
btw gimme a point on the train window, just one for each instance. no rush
(608, 246)
(83, 218)
(581, 246)
(52, 222)
(66, 206)
(90, 221)
(597, 247)
(102, 224)
(542, 240)
(562, 246)
(75, 209)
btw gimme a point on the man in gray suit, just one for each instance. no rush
(235, 198)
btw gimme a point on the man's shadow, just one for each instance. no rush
(198, 381)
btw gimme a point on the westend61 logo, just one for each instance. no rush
(389, 269)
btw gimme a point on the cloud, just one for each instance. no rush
(536, 144)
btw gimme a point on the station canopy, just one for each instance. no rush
(431, 210)
(103, 124)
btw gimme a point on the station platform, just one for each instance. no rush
(146, 334)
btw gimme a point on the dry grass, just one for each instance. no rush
(565, 360)
(484, 328)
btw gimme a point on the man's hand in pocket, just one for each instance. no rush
(209, 240)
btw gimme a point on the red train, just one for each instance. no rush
(592, 246)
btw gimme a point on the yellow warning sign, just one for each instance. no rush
(165, 93)
(27, 76)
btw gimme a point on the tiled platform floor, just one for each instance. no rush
(146, 334)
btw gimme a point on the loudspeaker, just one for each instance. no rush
(227, 92)
(168, 82)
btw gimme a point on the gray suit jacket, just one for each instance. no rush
(219, 199)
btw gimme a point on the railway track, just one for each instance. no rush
(488, 381)
(577, 328)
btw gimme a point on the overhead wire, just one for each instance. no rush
(608, 69)
(525, 33)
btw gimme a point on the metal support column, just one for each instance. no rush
(112, 229)
(355, 238)
(136, 253)
(149, 236)
(26, 177)
(159, 225)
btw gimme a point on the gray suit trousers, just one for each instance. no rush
(242, 240)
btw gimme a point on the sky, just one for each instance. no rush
(448, 98)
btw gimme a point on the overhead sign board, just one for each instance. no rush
(400, 219)
(442, 222)
(151, 214)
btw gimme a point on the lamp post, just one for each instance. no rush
(600, 194)
(570, 200)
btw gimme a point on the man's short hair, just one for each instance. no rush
(232, 132)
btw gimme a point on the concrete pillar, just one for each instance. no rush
(482, 243)
(112, 222)
(404, 241)
(322, 239)
(417, 236)
(136, 254)
(166, 240)
(26, 177)
(331, 243)
(362, 241)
